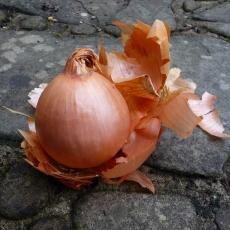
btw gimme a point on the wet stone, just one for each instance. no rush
(218, 13)
(201, 153)
(25, 191)
(51, 223)
(148, 12)
(113, 30)
(190, 6)
(117, 210)
(83, 29)
(223, 217)
(222, 29)
(34, 23)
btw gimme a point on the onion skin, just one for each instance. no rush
(81, 120)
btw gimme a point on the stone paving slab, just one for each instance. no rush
(34, 23)
(97, 12)
(50, 223)
(190, 6)
(21, 195)
(133, 211)
(222, 218)
(218, 13)
(222, 29)
(148, 11)
(75, 12)
(104, 11)
(67, 12)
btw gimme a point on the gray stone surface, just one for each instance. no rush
(222, 29)
(115, 211)
(204, 61)
(113, 30)
(199, 154)
(83, 29)
(191, 5)
(50, 223)
(218, 13)
(2, 16)
(34, 23)
(148, 12)
(104, 10)
(71, 12)
(223, 217)
(22, 192)
(15, 22)
(67, 12)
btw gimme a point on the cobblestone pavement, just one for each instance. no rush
(191, 176)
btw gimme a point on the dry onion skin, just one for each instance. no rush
(103, 115)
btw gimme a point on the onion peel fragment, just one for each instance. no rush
(150, 47)
(143, 180)
(35, 94)
(210, 122)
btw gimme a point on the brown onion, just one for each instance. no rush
(81, 119)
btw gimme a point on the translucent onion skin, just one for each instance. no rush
(81, 120)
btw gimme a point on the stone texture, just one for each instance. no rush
(223, 217)
(83, 29)
(34, 23)
(71, 11)
(2, 16)
(15, 22)
(218, 13)
(199, 154)
(148, 12)
(104, 10)
(222, 29)
(113, 30)
(50, 223)
(64, 11)
(115, 211)
(190, 6)
(22, 192)
(204, 61)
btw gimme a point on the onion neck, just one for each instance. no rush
(82, 62)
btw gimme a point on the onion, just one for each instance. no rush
(81, 119)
